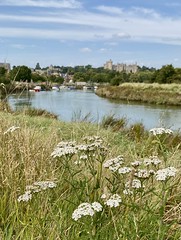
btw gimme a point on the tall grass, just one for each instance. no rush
(86, 164)
(169, 94)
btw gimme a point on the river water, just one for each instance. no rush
(76, 104)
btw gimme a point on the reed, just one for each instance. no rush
(169, 94)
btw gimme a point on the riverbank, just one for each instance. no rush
(81, 181)
(169, 94)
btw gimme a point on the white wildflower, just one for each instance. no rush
(11, 129)
(135, 184)
(160, 131)
(136, 163)
(114, 164)
(114, 201)
(82, 147)
(142, 173)
(97, 206)
(25, 197)
(45, 184)
(33, 188)
(166, 173)
(86, 209)
(63, 151)
(103, 196)
(127, 191)
(84, 157)
(124, 170)
(152, 160)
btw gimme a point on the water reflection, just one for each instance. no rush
(67, 104)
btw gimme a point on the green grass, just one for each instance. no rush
(169, 94)
(152, 212)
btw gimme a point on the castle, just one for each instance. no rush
(131, 68)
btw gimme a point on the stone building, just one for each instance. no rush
(131, 68)
(5, 65)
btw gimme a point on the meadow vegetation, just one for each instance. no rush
(88, 181)
(169, 94)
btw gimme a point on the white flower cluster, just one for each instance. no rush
(160, 131)
(114, 163)
(152, 160)
(166, 173)
(124, 170)
(142, 173)
(134, 184)
(45, 184)
(136, 163)
(25, 197)
(70, 148)
(86, 209)
(11, 129)
(34, 188)
(64, 149)
(114, 201)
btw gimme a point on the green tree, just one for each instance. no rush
(165, 74)
(21, 73)
(38, 78)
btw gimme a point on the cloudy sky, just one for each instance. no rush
(81, 32)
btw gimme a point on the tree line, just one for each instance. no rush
(166, 74)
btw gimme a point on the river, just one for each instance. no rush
(76, 104)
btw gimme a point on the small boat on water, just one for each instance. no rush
(37, 89)
(55, 88)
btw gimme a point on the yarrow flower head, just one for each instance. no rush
(35, 188)
(165, 174)
(152, 160)
(64, 149)
(127, 191)
(136, 163)
(124, 170)
(160, 131)
(45, 184)
(135, 184)
(142, 173)
(114, 164)
(11, 129)
(86, 209)
(114, 201)
(25, 197)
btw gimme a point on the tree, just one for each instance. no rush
(4, 78)
(2, 71)
(38, 78)
(165, 74)
(20, 73)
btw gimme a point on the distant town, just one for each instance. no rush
(80, 76)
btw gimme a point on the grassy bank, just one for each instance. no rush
(151, 93)
(96, 184)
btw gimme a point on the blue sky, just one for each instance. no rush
(77, 32)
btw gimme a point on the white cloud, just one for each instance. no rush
(110, 10)
(86, 49)
(42, 3)
(131, 25)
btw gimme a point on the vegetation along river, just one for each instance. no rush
(76, 104)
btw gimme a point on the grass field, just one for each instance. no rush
(169, 94)
(68, 181)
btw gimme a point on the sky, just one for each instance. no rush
(82, 32)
